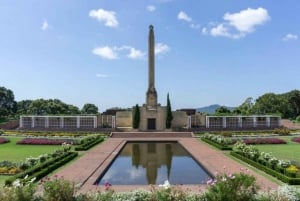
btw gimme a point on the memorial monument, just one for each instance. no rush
(153, 115)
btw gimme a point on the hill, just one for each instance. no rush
(212, 108)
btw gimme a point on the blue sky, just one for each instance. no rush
(208, 51)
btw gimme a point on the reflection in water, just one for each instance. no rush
(152, 163)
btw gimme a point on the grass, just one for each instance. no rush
(16, 153)
(289, 151)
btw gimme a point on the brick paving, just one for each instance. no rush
(86, 170)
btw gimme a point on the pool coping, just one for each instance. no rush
(85, 171)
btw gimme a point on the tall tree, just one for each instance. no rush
(8, 105)
(245, 108)
(169, 117)
(89, 108)
(136, 117)
(23, 107)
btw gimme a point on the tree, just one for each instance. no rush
(222, 110)
(22, 107)
(51, 107)
(271, 103)
(169, 117)
(136, 117)
(89, 108)
(8, 105)
(245, 108)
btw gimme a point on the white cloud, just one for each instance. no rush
(135, 54)
(219, 30)
(108, 17)
(161, 48)
(246, 20)
(151, 8)
(183, 16)
(106, 52)
(45, 26)
(290, 37)
(111, 53)
(238, 25)
(101, 75)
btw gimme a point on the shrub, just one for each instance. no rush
(3, 140)
(264, 141)
(296, 139)
(59, 190)
(282, 131)
(221, 188)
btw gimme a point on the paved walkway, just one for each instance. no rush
(86, 170)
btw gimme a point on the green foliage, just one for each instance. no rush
(47, 107)
(136, 117)
(89, 143)
(282, 131)
(221, 189)
(59, 190)
(298, 119)
(222, 111)
(287, 104)
(169, 117)
(40, 170)
(89, 108)
(8, 105)
(245, 108)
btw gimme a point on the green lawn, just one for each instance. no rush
(13, 152)
(289, 151)
(16, 153)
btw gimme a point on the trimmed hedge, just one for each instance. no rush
(274, 173)
(43, 169)
(89, 143)
(218, 146)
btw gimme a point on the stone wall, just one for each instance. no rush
(124, 119)
(180, 119)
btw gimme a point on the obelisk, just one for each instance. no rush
(151, 99)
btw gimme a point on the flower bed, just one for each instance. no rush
(264, 141)
(283, 170)
(296, 139)
(45, 141)
(3, 140)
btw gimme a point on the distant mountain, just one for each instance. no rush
(212, 108)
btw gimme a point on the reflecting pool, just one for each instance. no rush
(142, 163)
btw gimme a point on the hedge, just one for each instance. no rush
(89, 144)
(278, 175)
(43, 169)
(218, 146)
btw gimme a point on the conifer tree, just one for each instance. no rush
(136, 117)
(169, 117)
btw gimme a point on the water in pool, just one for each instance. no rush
(142, 163)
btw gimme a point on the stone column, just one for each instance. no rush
(151, 48)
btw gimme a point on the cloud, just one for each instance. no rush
(246, 20)
(161, 48)
(290, 37)
(151, 8)
(135, 54)
(183, 16)
(108, 17)
(101, 75)
(45, 26)
(112, 53)
(106, 52)
(238, 25)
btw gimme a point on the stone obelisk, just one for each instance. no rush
(151, 99)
